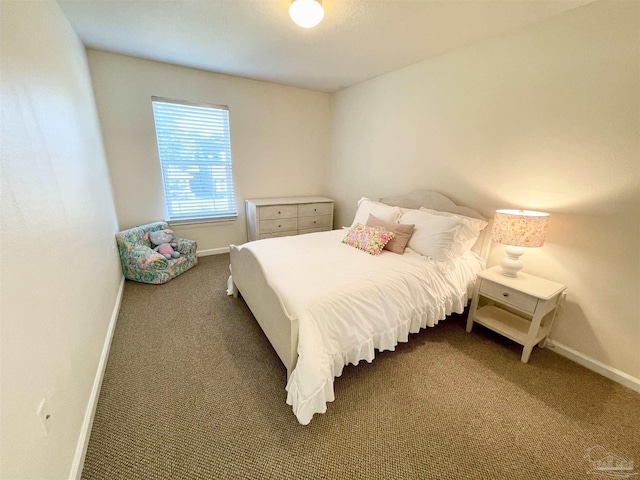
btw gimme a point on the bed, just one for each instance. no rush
(324, 304)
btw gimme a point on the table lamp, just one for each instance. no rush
(517, 229)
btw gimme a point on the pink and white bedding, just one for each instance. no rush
(349, 304)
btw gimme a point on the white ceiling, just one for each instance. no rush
(356, 41)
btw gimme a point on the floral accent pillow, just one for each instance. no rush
(368, 239)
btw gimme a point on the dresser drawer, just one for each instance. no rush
(314, 222)
(310, 209)
(281, 225)
(508, 296)
(278, 234)
(272, 212)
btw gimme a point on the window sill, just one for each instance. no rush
(202, 221)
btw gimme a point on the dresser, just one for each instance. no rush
(280, 217)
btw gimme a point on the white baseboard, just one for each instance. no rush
(595, 365)
(212, 251)
(85, 432)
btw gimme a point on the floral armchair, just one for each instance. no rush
(142, 264)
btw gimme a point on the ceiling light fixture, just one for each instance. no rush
(306, 13)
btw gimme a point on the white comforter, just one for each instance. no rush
(349, 303)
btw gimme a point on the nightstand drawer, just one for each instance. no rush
(311, 209)
(282, 225)
(509, 296)
(278, 211)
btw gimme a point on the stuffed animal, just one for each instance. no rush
(164, 245)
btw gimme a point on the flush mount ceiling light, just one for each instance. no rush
(306, 13)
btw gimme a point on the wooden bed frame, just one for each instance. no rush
(267, 307)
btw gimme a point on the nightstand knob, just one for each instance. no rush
(505, 294)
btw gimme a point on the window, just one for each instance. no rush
(195, 156)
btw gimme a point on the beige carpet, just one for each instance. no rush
(193, 390)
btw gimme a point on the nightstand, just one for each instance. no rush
(521, 308)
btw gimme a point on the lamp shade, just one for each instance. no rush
(521, 228)
(306, 13)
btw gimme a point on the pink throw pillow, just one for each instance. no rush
(402, 233)
(368, 239)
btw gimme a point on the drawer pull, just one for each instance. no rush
(314, 221)
(315, 209)
(505, 294)
(279, 213)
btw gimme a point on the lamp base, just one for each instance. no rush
(511, 264)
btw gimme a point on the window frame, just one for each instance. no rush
(196, 219)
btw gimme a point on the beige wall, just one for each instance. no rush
(280, 138)
(60, 274)
(546, 118)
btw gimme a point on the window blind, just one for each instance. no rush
(194, 148)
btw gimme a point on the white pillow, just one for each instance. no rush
(433, 235)
(467, 235)
(383, 211)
